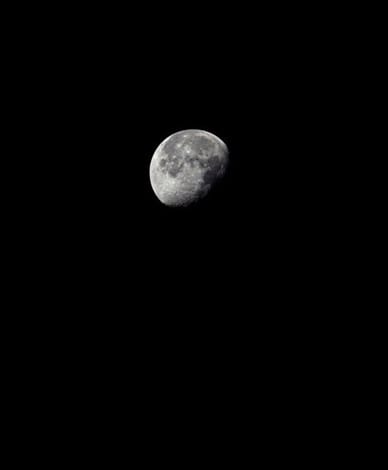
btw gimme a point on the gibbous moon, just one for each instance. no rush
(186, 166)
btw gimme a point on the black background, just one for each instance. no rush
(105, 88)
(215, 298)
(109, 93)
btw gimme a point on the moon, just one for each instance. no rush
(186, 166)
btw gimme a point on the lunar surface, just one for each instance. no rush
(186, 166)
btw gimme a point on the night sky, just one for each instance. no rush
(213, 314)
(112, 94)
(250, 261)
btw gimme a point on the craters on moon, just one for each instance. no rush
(186, 166)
